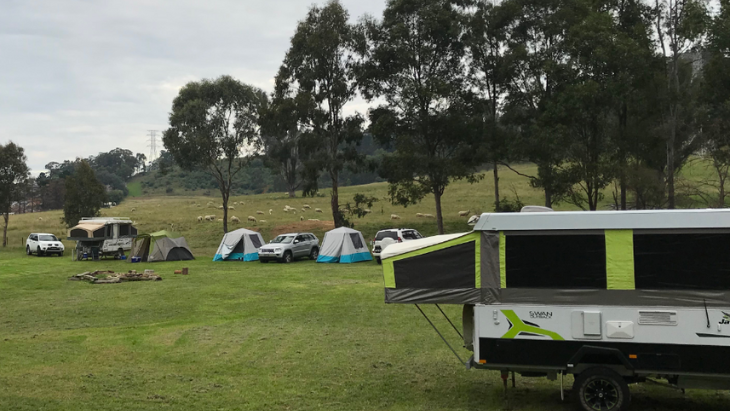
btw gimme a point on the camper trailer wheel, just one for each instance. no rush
(601, 389)
(314, 253)
(27, 250)
(287, 258)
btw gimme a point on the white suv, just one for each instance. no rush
(390, 236)
(43, 243)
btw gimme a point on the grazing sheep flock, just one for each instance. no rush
(200, 218)
(419, 215)
(251, 218)
(394, 217)
(259, 212)
(464, 213)
(429, 216)
(317, 210)
(235, 219)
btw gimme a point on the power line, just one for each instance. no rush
(153, 144)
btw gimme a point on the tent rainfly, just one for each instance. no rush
(343, 245)
(159, 246)
(239, 245)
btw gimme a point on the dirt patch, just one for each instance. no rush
(303, 226)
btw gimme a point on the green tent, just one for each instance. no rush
(160, 246)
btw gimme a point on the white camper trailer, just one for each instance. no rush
(612, 297)
(97, 237)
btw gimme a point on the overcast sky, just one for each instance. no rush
(81, 77)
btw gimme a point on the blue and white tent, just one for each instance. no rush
(239, 245)
(343, 245)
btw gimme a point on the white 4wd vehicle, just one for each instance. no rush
(390, 236)
(43, 243)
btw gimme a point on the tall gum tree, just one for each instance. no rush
(13, 177)
(415, 63)
(213, 127)
(319, 68)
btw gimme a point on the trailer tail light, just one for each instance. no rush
(482, 361)
(633, 356)
(400, 240)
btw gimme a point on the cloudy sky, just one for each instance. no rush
(78, 77)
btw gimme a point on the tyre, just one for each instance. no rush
(377, 260)
(287, 258)
(601, 389)
(314, 253)
(27, 250)
(60, 254)
(38, 252)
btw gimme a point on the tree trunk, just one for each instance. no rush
(335, 202)
(622, 184)
(225, 193)
(439, 217)
(670, 169)
(548, 198)
(6, 217)
(496, 187)
(292, 193)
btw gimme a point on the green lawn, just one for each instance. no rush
(135, 189)
(242, 336)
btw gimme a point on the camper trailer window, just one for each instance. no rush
(682, 261)
(556, 261)
(124, 229)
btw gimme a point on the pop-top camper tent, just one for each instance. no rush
(239, 245)
(343, 245)
(612, 297)
(159, 246)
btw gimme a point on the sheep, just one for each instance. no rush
(235, 219)
(251, 218)
(235, 203)
(317, 210)
(133, 209)
(271, 211)
(220, 220)
(419, 215)
(313, 219)
(231, 207)
(287, 209)
(259, 212)
(464, 213)
(304, 209)
(301, 218)
(428, 215)
(200, 218)
(394, 217)
(262, 221)
(306, 206)
(40, 218)
(367, 211)
(220, 207)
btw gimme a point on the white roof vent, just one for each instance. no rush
(535, 209)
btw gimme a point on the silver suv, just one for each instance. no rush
(286, 247)
(390, 236)
(43, 243)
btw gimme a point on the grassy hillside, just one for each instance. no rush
(179, 213)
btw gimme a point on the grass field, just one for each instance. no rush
(242, 336)
(248, 336)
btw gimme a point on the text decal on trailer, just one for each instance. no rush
(546, 315)
(725, 318)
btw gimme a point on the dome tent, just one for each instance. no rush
(240, 245)
(343, 245)
(158, 246)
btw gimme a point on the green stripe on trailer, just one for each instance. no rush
(502, 260)
(518, 327)
(620, 259)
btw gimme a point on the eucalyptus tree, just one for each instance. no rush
(319, 68)
(85, 194)
(280, 141)
(488, 27)
(539, 58)
(680, 28)
(415, 64)
(213, 127)
(13, 177)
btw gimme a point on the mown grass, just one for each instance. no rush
(242, 336)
